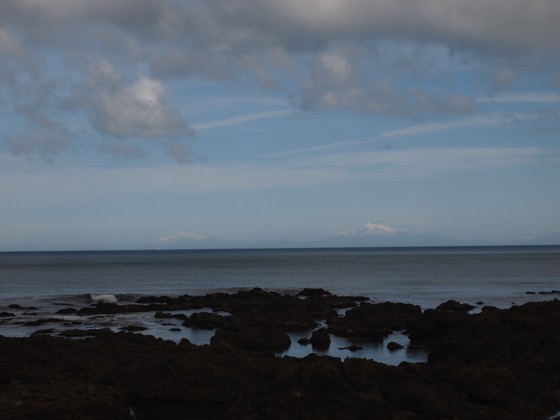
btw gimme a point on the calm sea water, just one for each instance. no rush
(497, 276)
(40, 282)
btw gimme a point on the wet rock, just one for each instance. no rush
(304, 341)
(91, 332)
(313, 292)
(320, 339)
(38, 322)
(26, 308)
(394, 346)
(163, 315)
(374, 321)
(133, 328)
(496, 364)
(253, 339)
(6, 314)
(206, 321)
(352, 348)
(454, 306)
(434, 324)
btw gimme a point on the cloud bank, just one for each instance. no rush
(115, 61)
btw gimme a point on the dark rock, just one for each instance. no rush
(163, 315)
(253, 339)
(434, 324)
(480, 302)
(180, 317)
(304, 341)
(74, 333)
(133, 328)
(6, 314)
(320, 339)
(38, 322)
(374, 321)
(175, 329)
(206, 321)
(454, 306)
(552, 292)
(394, 346)
(313, 292)
(27, 308)
(496, 364)
(352, 348)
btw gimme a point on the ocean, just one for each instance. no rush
(498, 276)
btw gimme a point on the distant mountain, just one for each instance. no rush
(369, 235)
(376, 235)
(552, 239)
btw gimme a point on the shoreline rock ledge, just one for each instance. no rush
(496, 364)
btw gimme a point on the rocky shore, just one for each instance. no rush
(494, 364)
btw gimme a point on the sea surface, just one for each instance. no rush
(498, 276)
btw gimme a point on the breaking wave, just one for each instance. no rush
(104, 298)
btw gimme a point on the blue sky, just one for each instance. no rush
(144, 123)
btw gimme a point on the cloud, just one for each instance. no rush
(524, 97)
(122, 149)
(137, 110)
(45, 144)
(426, 128)
(372, 229)
(428, 161)
(477, 23)
(43, 137)
(181, 236)
(242, 119)
(397, 58)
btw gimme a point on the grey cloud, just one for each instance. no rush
(43, 138)
(140, 109)
(338, 82)
(512, 24)
(45, 144)
(178, 151)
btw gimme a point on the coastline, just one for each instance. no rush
(497, 363)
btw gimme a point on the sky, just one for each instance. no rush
(135, 124)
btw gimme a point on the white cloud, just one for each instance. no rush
(372, 229)
(181, 236)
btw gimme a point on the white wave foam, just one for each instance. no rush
(108, 298)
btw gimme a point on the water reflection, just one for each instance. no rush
(377, 351)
